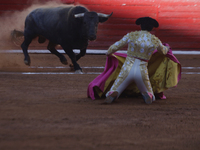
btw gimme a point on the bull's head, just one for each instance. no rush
(90, 22)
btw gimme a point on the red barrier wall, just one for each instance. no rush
(13, 5)
(179, 19)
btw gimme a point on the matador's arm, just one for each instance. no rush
(118, 45)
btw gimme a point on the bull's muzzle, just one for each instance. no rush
(92, 37)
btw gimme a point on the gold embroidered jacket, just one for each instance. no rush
(141, 44)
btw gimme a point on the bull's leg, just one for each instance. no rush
(72, 56)
(81, 54)
(51, 48)
(24, 47)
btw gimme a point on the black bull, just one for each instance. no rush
(71, 27)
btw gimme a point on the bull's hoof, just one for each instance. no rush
(27, 62)
(78, 72)
(71, 67)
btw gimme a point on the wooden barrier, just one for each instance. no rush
(179, 20)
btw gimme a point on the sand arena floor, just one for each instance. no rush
(44, 107)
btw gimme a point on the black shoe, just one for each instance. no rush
(111, 97)
(147, 97)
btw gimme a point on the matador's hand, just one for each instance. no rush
(107, 54)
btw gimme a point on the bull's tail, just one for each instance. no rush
(16, 33)
(17, 37)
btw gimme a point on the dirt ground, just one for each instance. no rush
(53, 112)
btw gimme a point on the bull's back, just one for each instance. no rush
(47, 18)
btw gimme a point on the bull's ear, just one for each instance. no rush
(103, 17)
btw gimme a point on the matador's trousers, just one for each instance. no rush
(133, 70)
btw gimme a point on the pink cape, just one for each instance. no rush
(110, 66)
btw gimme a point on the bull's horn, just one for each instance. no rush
(79, 15)
(104, 15)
